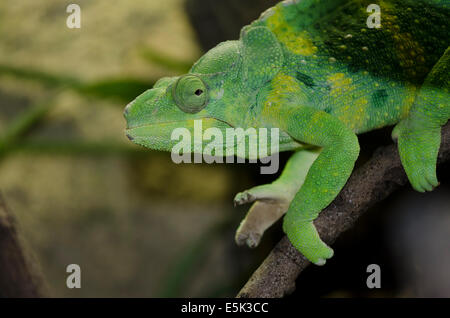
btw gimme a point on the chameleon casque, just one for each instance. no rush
(315, 70)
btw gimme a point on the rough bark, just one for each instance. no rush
(19, 274)
(368, 185)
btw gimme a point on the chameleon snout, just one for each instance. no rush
(127, 110)
(129, 137)
(125, 115)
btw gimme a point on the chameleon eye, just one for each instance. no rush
(190, 94)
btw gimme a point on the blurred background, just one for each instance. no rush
(136, 223)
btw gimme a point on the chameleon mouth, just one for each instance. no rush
(164, 136)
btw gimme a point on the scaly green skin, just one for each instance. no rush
(313, 69)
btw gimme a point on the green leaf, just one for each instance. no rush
(158, 58)
(124, 89)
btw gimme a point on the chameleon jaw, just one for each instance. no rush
(164, 136)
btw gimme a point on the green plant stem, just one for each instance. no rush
(78, 148)
(22, 124)
(170, 63)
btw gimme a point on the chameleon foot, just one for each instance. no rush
(267, 192)
(243, 198)
(305, 238)
(259, 218)
(418, 153)
(247, 236)
(271, 203)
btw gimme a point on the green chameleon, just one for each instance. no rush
(320, 73)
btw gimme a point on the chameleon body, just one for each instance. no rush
(315, 70)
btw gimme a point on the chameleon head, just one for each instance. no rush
(220, 89)
(173, 103)
(205, 94)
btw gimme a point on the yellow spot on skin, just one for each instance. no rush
(408, 101)
(297, 42)
(283, 85)
(338, 83)
(353, 112)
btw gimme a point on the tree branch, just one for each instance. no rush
(19, 275)
(368, 185)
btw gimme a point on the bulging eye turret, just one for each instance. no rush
(190, 94)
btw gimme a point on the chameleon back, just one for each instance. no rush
(367, 77)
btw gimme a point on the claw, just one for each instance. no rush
(423, 182)
(320, 262)
(250, 239)
(243, 198)
(432, 180)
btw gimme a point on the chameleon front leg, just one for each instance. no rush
(419, 134)
(272, 200)
(325, 179)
